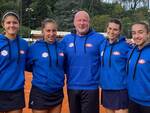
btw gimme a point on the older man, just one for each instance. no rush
(82, 65)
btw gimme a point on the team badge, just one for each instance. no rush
(22, 51)
(71, 44)
(61, 54)
(141, 61)
(89, 45)
(116, 53)
(4, 53)
(45, 54)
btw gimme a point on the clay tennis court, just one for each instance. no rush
(65, 109)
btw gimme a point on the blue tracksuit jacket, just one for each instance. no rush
(46, 61)
(113, 60)
(12, 63)
(139, 75)
(82, 64)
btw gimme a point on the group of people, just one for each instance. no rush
(88, 59)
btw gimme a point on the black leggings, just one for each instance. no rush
(137, 108)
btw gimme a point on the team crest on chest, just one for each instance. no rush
(44, 54)
(71, 44)
(141, 61)
(116, 53)
(4, 52)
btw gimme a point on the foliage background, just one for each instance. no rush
(32, 12)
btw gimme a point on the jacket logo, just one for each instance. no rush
(45, 54)
(102, 53)
(89, 45)
(71, 45)
(61, 54)
(116, 53)
(4, 53)
(141, 61)
(22, 52)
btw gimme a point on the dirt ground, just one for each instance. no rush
(65, 109)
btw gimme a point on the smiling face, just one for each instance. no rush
(49, 32)
(113, 31)
(81, 22)
(139, 34)
(11, 26)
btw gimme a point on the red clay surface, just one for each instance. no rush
(65, 108)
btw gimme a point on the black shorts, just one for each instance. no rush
(137, 108)
(83, 101)
(12, 100)
(39, 99)
(115, 99)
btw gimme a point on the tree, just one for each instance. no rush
(7, 5)
(117, 11)
(99, 22)
(63, 11)
(64, 14)
(132, 4)
(25, 16)
(126, 23)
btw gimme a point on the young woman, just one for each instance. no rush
(113, 74)
(138, 69)
(45, 60)
(12, 63)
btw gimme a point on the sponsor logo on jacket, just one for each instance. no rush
(141, 61)
(88, 45)
(116, 53)
(61, 54)
(22, 52)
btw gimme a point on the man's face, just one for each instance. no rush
(81, 23)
